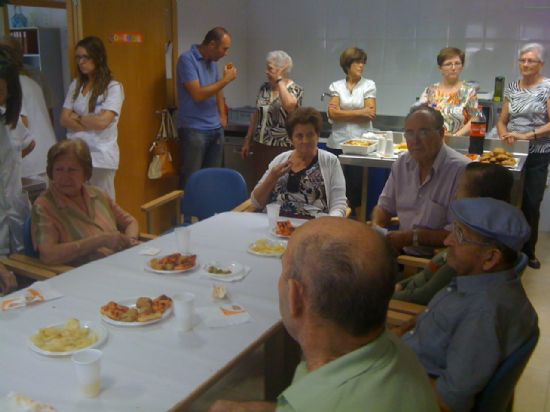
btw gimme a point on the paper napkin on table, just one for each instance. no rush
(36, 293)
(226, 315)
(149, 251)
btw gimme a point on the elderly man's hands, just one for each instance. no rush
(8, 282)
(399, 239)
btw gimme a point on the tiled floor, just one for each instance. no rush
(532, 392)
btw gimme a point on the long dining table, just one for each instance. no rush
(153, 367)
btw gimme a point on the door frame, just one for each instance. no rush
(74, 29)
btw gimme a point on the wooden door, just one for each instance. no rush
(140, 67)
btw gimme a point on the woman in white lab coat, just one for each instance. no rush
(35, 113)
(14, 204)
(92, 109)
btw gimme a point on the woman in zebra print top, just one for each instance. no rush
(526, 116)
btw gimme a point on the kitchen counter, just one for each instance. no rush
(520, 150)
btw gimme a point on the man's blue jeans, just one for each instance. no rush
(200, 149)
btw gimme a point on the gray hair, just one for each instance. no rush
(343, 288)
(534, 47)
(280, 59)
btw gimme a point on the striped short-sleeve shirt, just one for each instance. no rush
(529, 110)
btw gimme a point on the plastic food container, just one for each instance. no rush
(359, 146)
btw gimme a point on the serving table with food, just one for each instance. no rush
(122, 305)
(370, 155)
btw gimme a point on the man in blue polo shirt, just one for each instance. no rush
(201, 106)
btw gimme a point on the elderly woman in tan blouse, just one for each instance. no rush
(73, 222)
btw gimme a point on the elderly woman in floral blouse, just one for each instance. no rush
(456, 100)
(307, 181)
(277, 98)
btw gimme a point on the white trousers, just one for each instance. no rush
(104, 179)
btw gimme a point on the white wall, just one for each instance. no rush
(401, 37)
(196, 17)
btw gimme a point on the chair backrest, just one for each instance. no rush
(213, 190)
(27, 239)
(498, 394)
(521, 264)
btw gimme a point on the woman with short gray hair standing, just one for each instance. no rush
(526, 116)
(277, 98)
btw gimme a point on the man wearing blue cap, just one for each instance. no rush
(484, 315)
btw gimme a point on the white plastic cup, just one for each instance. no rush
(388, 149)
(273, 214)
(183, 239)
(87, 364)
(381, 144)
(184, 304)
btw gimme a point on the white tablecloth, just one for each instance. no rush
(148, 368)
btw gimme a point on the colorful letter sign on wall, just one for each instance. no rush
(121, 37)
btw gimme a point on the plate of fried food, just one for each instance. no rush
(359, 146)
(64, 339)
(472, 156)
(283, 229)
(137, 311)
(400, 147)
(266, 247)
(499, 156)
(174, 263)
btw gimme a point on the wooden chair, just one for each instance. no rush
(408, 308)
(207, 192)
(148, 208)
(28, 264)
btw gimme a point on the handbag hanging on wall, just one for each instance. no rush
(162, 164)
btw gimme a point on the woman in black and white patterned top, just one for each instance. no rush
(277, 98)
(526, 116)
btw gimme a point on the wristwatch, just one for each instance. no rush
(415, 243)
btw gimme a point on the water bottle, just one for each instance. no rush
(478, 129)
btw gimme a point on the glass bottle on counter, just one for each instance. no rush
(478, 129)
(499, 89)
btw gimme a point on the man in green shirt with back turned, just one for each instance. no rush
(337, 279)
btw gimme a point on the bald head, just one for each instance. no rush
(347, 269)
